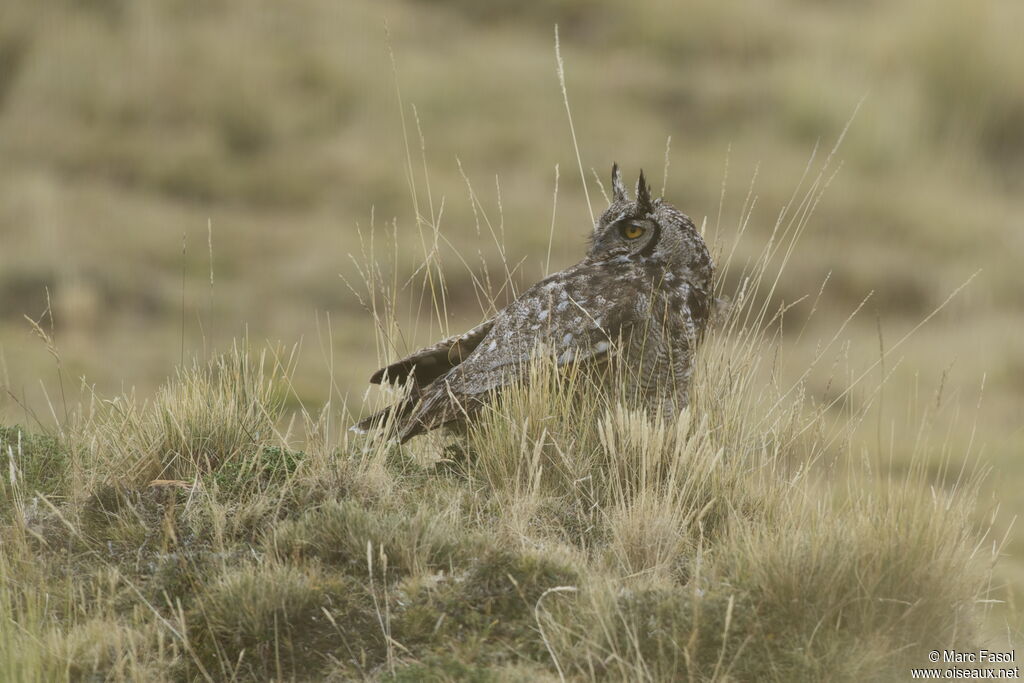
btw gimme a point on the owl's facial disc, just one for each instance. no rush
(646, 241)
(626, 232)
(632, 230)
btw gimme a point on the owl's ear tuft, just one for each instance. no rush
(643, 193)
(618, 188)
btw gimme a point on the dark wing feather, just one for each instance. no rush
(586, 329)
(395, 415)
(426, 365)
(575, 318)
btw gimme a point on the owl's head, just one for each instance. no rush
(649, 230)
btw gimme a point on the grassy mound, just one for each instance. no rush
(183, 539)
(566, 534)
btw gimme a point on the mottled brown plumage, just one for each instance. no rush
(641, 296)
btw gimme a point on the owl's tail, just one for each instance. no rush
(396, 421)
(391, 418)
(419, 414)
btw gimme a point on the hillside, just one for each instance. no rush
(565, 537)
(177, 179)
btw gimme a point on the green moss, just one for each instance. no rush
(338, 533)
(279, 621)
(488, 613)
(40, 464)
(267, 466)
(178, 577)
(136, 525)
(442, 667)
(102, 507)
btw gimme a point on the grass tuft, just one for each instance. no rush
(565, 534)
(209, 416)
(279, 621)
(486, 612)
(338, 532)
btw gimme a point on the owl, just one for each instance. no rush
(642, 296)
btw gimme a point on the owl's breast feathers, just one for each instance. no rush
(688, 297)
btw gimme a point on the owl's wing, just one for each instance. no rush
(426, 365)
(573, 316)
(504, 355)
(570, 329)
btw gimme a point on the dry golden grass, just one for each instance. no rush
(819, 513)
(209, 417)
(566, 535)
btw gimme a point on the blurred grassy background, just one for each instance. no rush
(131, 129)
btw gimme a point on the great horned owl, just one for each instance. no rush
(642, 296)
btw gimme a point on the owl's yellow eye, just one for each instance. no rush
(631, 231)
